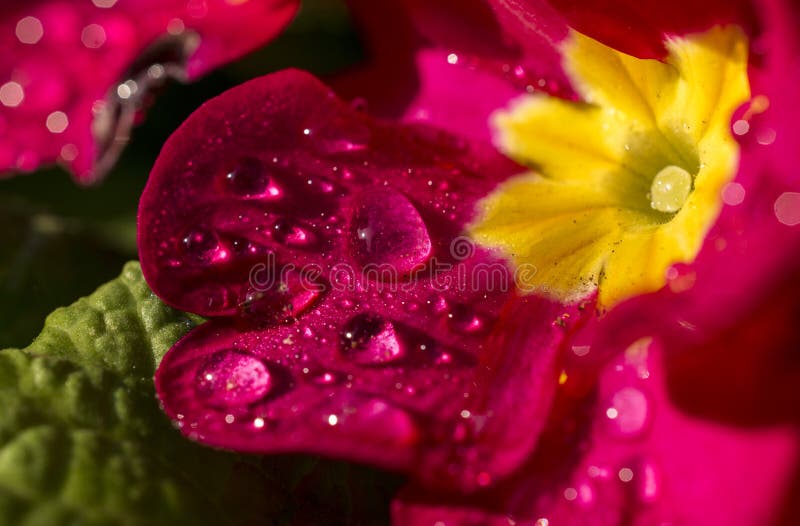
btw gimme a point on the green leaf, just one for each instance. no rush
(82, 439)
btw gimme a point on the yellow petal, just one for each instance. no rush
(608, 204)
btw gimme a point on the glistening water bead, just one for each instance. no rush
(231, 378)
(670, 188)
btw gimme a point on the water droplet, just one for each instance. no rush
(648, 481)
(437, 303)
(581, 350)
(343, 135)
(670, 188)
(232, 378)
(387, 230)
(628, 412)
(680, 278)
(250, 179)
(210, 297)
(326, 378)
(203, 246)
(733, 194)
(281, 300)
(464, 318)
(370, 340)
(787, 208)
(291, 233)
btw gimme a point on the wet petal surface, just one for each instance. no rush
(353, 319)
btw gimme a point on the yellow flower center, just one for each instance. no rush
(626, 183)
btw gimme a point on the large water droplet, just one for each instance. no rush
(370, 340)
(388, 230)
(670, 188)
(232, 378)
(250, 179)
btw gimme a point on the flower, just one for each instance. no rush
(633, 184)
(554, 416)
(349, 315)
(74, 74)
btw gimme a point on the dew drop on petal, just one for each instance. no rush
(628, 412)
(293, 234)
(57, 122)
(11, 94)
(464, 319)
(213, 297)
(326, 378)
(29, 30)
(203, 246)
(250, 179)
(625, 474)
(741, 126)
(369, 339)
(280, 301)
(787, 208)
(93, 36)
(581, 350)
(733, 194)
(387, 230)
(232, 378)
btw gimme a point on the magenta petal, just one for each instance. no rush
(380, 343)
(728, 318)
(640, 462)
(348, 382)
(453, 63)
(73, 74)
(466, 110)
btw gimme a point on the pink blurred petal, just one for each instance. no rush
(401, 371)
(640, 462)
(452, 63)
(74, 74)
(465, 110)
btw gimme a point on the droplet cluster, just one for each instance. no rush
(321, 244)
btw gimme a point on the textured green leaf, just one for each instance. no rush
(82, 439)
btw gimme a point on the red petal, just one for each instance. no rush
(639, 27)
(426, 369)
(72, 75)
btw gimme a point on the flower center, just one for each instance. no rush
(626, 183)
(670, 188)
